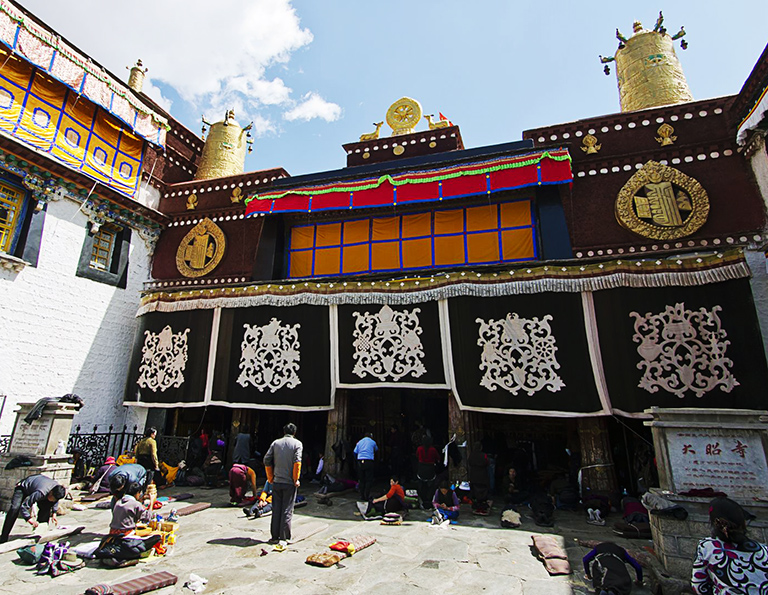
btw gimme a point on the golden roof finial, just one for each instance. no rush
(648, 71)
(136, 78)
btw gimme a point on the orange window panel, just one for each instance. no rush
(355, 259)
(328, 261)
(483, 247)
(517, 244)
(302, 237)
(516, 214)
(328, 235)
(385, 256)
(449, 250)
(417, 253)
(482, 218)
(131, 144)
(417, 225)
(107, 128)
(385, 228)
(301, 264)
(449, 221)
(49, 89)
(356, 231)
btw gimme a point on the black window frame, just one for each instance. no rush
(117, 276)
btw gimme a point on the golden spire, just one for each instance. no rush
(136, 78)
(648, 71)
(225, 147)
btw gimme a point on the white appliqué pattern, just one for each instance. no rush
(163, 360)
(683, 350)
(387, 344)
(518, 354)
(270, 356)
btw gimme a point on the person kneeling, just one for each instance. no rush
(263, 505)
(392, 501)
(446, 504)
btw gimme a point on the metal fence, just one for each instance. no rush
(5, 443)
(96, 446)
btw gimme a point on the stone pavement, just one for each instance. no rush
(475, 555)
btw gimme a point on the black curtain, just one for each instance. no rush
(305, 382)
(161, 371)
(573, 381)
(624, 358)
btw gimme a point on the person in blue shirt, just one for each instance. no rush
(124, 476)
(365, 451)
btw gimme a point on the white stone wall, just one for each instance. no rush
(60, 333)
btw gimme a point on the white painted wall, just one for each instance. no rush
(60, 333)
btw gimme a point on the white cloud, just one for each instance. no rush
(314, 106)
(156, 94)
(213, 54)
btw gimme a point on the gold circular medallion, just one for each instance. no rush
(432, 145)
(403, 115)
(366, 155)
(662, 203)
(201, 250)
(399, 150)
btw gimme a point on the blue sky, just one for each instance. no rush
(314, 74)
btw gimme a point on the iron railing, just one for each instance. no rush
(5, 443)
(96, 446)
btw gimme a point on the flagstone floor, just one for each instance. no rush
(475, 555)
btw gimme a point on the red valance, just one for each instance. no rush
(467, 179)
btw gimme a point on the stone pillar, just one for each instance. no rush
(38, 442)
(598, 472)
(693, 449)
(335, 430)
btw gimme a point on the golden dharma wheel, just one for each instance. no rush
(403, 115)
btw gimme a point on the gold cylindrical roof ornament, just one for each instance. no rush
(225, 148)
(647, 69)
(136, 78)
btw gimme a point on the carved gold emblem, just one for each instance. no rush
(662, 203)
(666, 133)
(590, 144)
(192, 202)
(237, 195)
(403, 115)
(201, 250)
(436, 125)
(399, 150)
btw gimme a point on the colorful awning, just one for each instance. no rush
(466, 179)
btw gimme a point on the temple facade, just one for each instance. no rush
(537, 296)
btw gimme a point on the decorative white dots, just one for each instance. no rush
(590, 253)
(659, 120)
(615, 169)
(604, 129)
(703, 113)
(592, 172)
(591, 131)
(701, 157)
(631, 125)
(581, 174)
(718, 111)
(578, 133)
(603, 170)
(617, 127)
(757, 238)
(674, 118)
(566, 135)
(714, 154)
(579, 254)
(553, 137)
(727, 152)
(688, 158)
(645, 122)
(638, 165)
(663, 161)
(688, 116)
(743, 239)
(716, 241)
(627, 167)
(675, 160)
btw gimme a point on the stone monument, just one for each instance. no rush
(38, 441)
(722, 449)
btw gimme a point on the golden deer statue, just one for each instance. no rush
(372, 135)
(436, 125)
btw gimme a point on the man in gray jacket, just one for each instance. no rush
(283, 466)
(35, 489)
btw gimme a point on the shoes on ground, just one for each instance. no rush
(246, 511)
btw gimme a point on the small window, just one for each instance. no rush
(104, 257)
(11, 205)
(103, 250)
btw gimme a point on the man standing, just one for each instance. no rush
(283, 466)
(35, 489)
(365, 451)
(146, 454)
